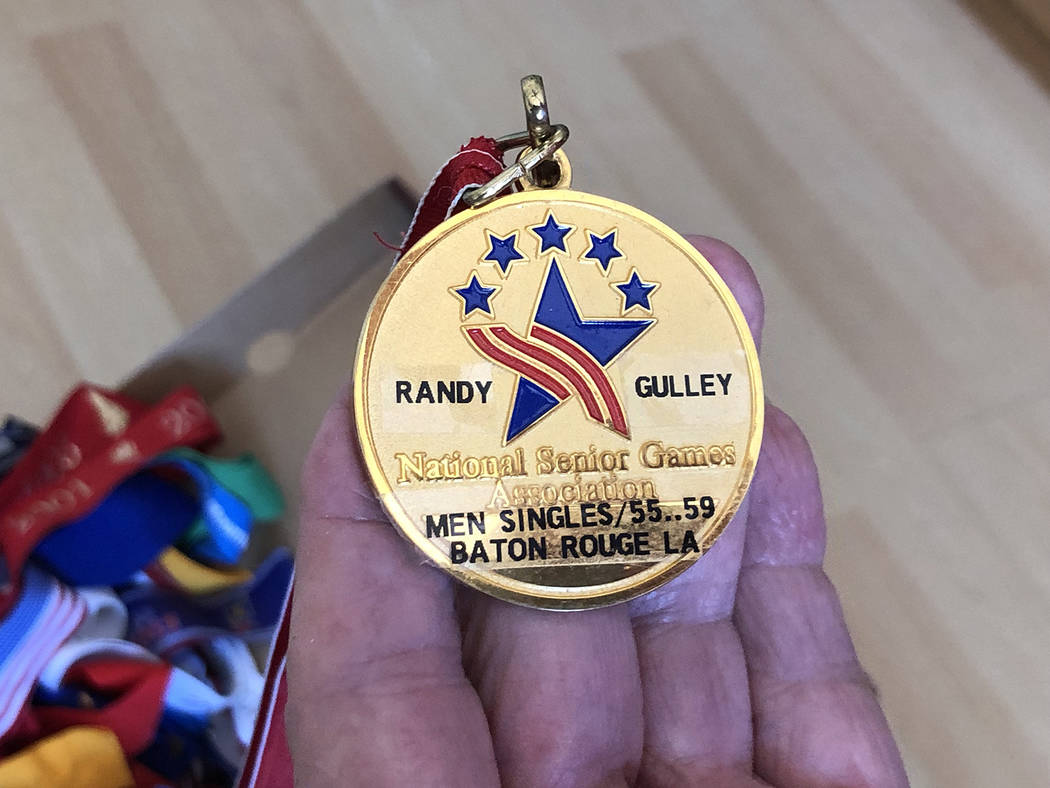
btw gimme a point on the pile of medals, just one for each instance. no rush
(129, 636)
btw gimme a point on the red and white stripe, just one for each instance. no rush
(555, 363)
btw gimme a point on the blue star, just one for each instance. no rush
(552, 235)
(475, 296)
(636, 292)
(603, 339)
(502, 251)
(603, 249)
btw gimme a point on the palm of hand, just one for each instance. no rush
(740, 672)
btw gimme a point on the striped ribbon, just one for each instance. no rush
(43, 616)
(233, 493)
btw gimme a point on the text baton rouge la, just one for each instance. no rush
(624, 528)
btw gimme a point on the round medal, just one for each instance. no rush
(558, 399)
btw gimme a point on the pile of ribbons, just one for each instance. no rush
(129, 635)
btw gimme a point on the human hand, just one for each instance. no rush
(739, 672)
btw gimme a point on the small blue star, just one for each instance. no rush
(636, 292)
(552, 235)
(502, 251)
(603, 249)
(475, 296)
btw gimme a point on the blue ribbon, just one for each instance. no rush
(132, 525)
(149, 512)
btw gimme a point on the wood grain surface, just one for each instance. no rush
(883, 165)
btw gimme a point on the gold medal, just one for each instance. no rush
(557, 397)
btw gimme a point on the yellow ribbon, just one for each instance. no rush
(197, 578)
(79, 757)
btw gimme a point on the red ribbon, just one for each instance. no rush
(477, 162)
(133, 714)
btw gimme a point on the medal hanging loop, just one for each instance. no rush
(542, 141)
(537, 116)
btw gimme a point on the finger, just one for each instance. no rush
(694, 680)
(377, 693)
(561, 692)
(817, 719)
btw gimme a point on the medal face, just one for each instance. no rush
(558, 399)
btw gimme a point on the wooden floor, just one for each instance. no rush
(884, 166)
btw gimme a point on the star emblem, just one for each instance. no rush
(603, 250)
(636, 292)
(562, 356)
(475, 296)
(551, 234)
(503, 252)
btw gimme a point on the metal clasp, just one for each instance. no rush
(542, 141)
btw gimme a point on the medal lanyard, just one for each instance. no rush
(44, 614)
(98, 638)
(148, 512)
(233, 494)
(95, 441)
